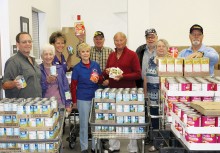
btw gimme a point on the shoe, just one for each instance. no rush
(152, 149)
(85, 151)
(132, 147)
(110, 150)
(93, 151)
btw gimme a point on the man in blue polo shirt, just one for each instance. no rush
(198, 49)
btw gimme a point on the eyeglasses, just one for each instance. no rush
(26, 41)
(150, 37)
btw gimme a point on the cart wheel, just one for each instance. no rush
(73, 138)
(71, 127)
(72, 144)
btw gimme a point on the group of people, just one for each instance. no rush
(139, 70)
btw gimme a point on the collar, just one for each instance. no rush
(202, 48)
(98, 50)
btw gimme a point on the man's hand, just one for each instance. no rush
(107, 71)
(118, 77)
(17, 84)
(195, 55)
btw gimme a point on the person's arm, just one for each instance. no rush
(73, 92)
(11, 72)
(212, 55)
(11, 84)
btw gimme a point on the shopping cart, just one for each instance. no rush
(98, 135)
(73, 119)
(74, 127)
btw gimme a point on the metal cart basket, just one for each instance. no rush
(97, 135)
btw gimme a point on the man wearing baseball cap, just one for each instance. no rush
(146, 51)
(99, 52)
(198, 49)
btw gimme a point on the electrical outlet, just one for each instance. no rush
(14, 48)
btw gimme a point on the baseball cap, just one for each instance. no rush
(150, 31)
(99, 33)
(196, 27)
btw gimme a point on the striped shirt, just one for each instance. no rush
(100, 56)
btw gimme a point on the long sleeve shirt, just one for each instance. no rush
(129, 64)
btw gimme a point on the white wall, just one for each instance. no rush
(138, 22)
(4, 33)
(172, 20)
(50, 8)
(108, 16)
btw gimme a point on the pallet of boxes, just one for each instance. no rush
(118, 113)
(29, 125)
(192, 102)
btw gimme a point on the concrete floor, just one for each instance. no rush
(123, 148)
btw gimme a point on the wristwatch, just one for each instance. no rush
(202, 53)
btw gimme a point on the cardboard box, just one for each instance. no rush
(170, 65)
(204, 64)
(179, 65)
(207, 108)
(188, 65)
(196, 65)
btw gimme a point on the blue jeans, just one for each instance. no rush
(84, 110)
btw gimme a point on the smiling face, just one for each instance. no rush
(25, 44)
(120, 41)
(47, 57)
(99, 41)
(84, 52)
(59, 44)
(151, 40)
(162, 48)
(196, 37)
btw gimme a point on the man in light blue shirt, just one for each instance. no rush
(198, 50)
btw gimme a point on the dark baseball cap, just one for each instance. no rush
(150, 31)
(196, 27)
(99, 33)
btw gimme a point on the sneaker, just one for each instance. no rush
(85, 151)
(111, 150)
(152, 149)
(93, 151)
(132, 147)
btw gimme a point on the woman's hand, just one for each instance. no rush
(51, 79)
(105, 83)
(94, 78)
(74, 106)
(69, 109)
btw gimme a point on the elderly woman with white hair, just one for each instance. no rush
(54, 85)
